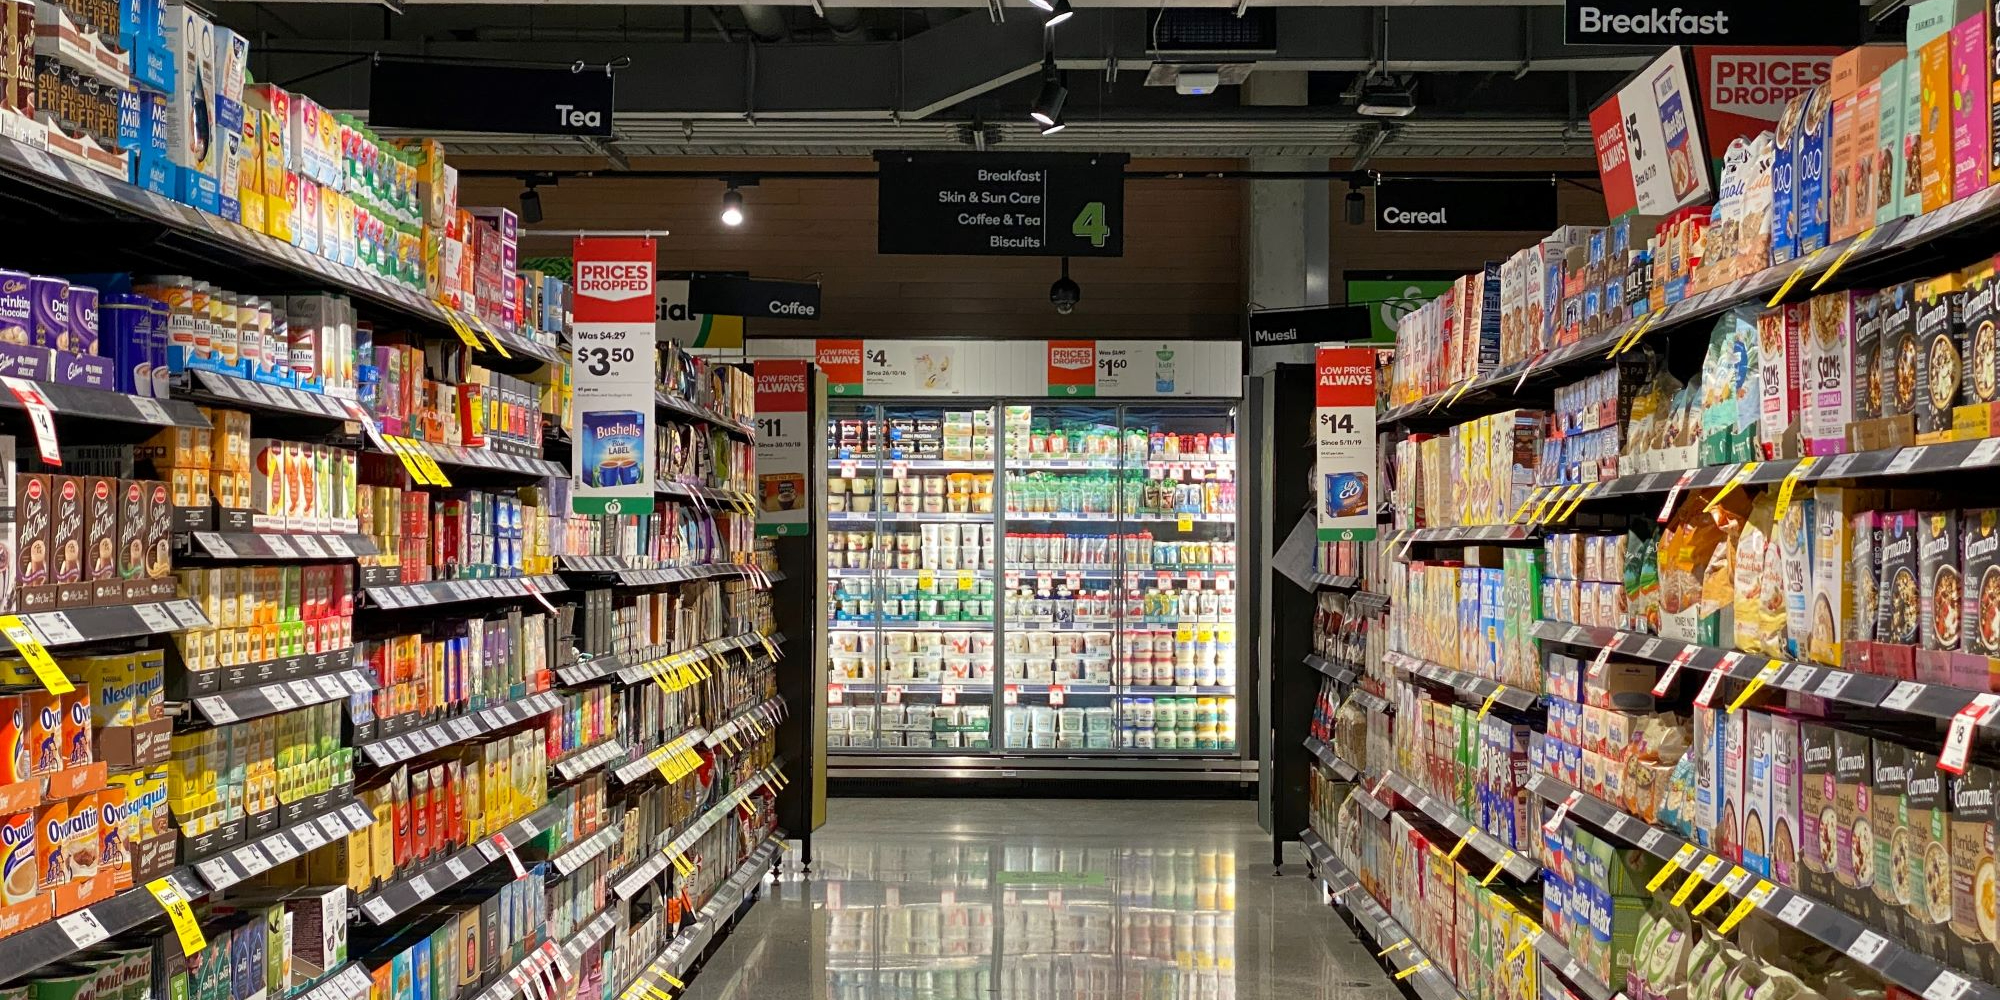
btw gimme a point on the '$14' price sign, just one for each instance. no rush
(1344, 423)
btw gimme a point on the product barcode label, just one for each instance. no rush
(1948, 985)
(279, 546)
(281, 848)
(217, 710)
(251, 859)
(279, 698)
(217, 872)
(1905, 459)
(330, 687)
(1795, 910)
(154, 617)
(83, 928)
(1903, 696)
(1867, 947)
(331, 825)
(1647, 648)
(304, 691)
(338, 546)
(458, 869)
(1835, 682)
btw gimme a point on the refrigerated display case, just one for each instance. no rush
(1109, 533)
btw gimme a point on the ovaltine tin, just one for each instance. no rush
(614, 443)
(20, 879)
(16, 316)
(48, 310)
(82, 337)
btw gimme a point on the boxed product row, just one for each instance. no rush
(219, 776)
(259, 613)
(83, 541)
(699, 455)
(459, 667)
(950, 435)
(427, 813)
(1104, 494)
(675, 534)
(628, 624)
(725, 389)
(1472, 613)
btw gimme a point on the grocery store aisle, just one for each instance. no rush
(1050, 900)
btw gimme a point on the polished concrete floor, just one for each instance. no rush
(971, 899)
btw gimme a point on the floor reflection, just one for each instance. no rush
(1031, 900)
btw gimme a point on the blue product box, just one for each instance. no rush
(1815, 140)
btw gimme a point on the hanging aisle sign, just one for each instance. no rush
(784, 395)
(677, 320)
(1001, 204)
(1345, 429)
(615, 369)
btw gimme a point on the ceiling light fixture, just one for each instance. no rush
(732, 207)
(1357, 205)
(1385, 98)
(1059, 12)
(1048, 105)
(1054, 127)
(531, 204)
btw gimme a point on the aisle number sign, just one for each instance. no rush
(1344, 427)
(612, 462)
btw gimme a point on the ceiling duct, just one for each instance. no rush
(1212, 31)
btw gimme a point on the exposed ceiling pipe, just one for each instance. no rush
(766, 23)
(844, 22)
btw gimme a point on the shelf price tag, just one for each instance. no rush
(185, 927)
(1791, 483)
(1584, 493)
(41, 416)
(1757, 897)
(1674, 495)
(1786, 288)
(1696, 877)
(1765, 675)
(1706, 696)
(1678, 861)
(1742, 474)
(1680, 660)
(458, 326)
(30, 646)
(1958, 738)
(401, 449)
(1859, 242)
(1735, 878)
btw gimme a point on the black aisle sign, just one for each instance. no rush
(1712, 22)
(1309, 325)
(1001, 204)
(470, 98)
(1442, 206)
(731, 295)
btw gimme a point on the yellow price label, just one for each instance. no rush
(1521, 511)
(401, 450)
(1581, 496)
(185, 926)
(1859, 242)
(430, 464)
(966, 580)
(1743, 474)
(1786, 288)
(1541, 505)
(30, 646)
(1687, 887)
(926, 580)
(770, 651)
(1494, 872)
(1460, 846)
(683, 865)
(1766, 675)
(1462, 390)
(1632, 336)
(1486, 707)
(490, 335)
(1527, 942)
(1413, 970)
(1185, 522)
(1791, 483)
(1675, 863)
(456, 321)
(1756, 898)
(1400, 942)
(1564, 496)
(1721, 889)
(655, 992)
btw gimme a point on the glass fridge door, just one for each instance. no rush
(853, 481)
(930, 577)
(1176, 647)
(1061, 556)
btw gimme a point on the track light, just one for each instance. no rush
(531, 205)
(1357, 206)
(1059, 12)
(732, 207)
(1048, 105)
(1054, 127)
(1043, 5)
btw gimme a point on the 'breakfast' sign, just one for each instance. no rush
(1712, 22)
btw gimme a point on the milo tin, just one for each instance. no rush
(65, 982)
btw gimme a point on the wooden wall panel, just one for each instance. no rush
(1181, 275)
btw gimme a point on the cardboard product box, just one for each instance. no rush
(100, 522)
(1784, 180)
(1734, 776)
(194, 141)
(1829, 357)
(1891, 167)
(1897, 305)
(1832, 611)
(1864, 370)
(1868, 164)
(1814, 179)
(1854, 846)
(1897, 590)
(1940, 356)
(1757, 845)
(1887, 838)
(1818, 824)
(1783, 815)
(1779, 357)
(1979, 309)
(1927, 858)
(1940, 584)
(1972, 864)
(1971, 107)
(1979, 555)
(67, 538)
(1934, 127)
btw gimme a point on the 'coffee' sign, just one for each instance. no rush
(1712, 22)
(1443, 206)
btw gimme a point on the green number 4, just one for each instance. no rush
(1091, 223)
